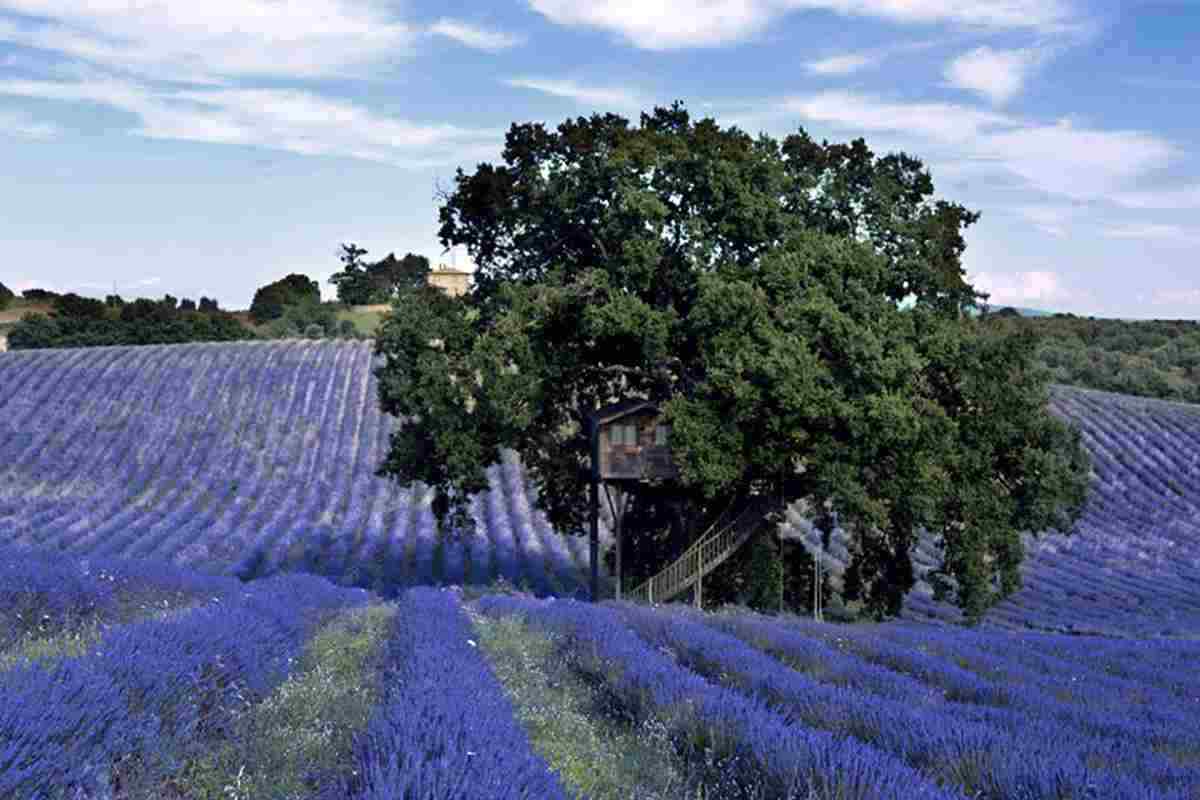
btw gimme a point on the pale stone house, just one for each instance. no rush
(453, 282)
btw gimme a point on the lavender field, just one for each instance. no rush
(138, 485)
(246, 459)
(251, 459)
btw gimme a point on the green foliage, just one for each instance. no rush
(74, 306)
(766, 330)
(83, 322)
(360, 283)
(270, 301)
(39, 295)
(1146, 358)
(6, 297)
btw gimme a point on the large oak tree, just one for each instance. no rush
(750, 288)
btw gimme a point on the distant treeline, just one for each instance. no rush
(288, 308)
(1147, 358)
(76, 321)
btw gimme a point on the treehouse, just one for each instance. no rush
(629, 443)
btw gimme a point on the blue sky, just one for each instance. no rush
(210, 147)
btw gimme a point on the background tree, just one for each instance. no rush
(6, 297)
(388, 276)
(661, 262)
(208, 305)
(352, 282)
(270, 300)
(72, 305)
(39, 295)
(360, 283)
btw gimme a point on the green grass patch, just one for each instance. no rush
(365, 322)
(302, 733)
(74, 635)
(594, 756)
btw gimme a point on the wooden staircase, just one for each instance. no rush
(702, 557)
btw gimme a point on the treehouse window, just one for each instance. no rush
(630, 435)
(660, 435)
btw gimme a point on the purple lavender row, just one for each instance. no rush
(248, 510)
(445, 729)
(532, 554)
(29, 510)
(268, 522)
(162, 466)
(176, 503)
(22, 460)
(151, 440)
(1114, 736)
(778, 759)
(59, 524)
(560, 576)
(51, 592)
(985, 752)
(62, 726)
(346, 515)
(203, 475)
(192, 540)
(333, 465)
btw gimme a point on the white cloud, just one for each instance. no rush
(474, 36)
(281, 119)
(1151, 230)
(215, 39)
(996, 74)
(1051, 219)
(1076, 162)
(24, 126)
(945, 123)
(1185, 198)
(1060, 159)
(1020, 288)
(587, 95)
(843, 64)
(674, 24)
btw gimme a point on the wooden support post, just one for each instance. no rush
(594, 544)
(700, 592)
(619, 526)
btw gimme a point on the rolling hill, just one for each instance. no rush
(252, 459)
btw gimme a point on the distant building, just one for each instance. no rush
(453, 282)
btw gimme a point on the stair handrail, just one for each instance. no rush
(701, 558)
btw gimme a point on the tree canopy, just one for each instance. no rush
(86, 322)
(6, 297)
(361, 283)
(270, 300)
(750, 289)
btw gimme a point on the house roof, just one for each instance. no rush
(620, 409)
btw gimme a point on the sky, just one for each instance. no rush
(207, 148)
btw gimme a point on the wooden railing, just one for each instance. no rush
(701, 558)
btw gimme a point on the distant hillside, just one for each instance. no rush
(255, 458)
(1024, 312)
(1145, 358)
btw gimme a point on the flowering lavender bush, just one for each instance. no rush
(149, 687)
(779, 759)
(445, 729)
